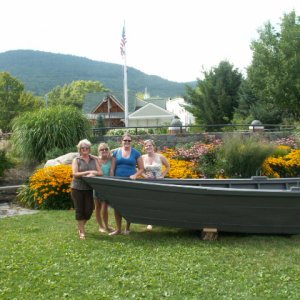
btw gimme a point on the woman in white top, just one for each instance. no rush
(153, 164)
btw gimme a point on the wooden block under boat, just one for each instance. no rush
(209, 234)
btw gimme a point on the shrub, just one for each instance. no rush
(203, 156)
(131, 131)
(287, 165)
(287, 141)
(36, 133)
(243, 157)
(48, 188)
(25, 196)
(208, 163)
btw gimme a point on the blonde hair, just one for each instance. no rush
(152, 143)
(149, 141)
(101, 145)
(83, 142)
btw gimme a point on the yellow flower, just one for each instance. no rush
(51, 184)
(287, 165)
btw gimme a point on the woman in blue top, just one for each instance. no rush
(126, 162)
(101, 207)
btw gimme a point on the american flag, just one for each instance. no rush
(123, 42)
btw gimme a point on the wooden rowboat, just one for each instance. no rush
(256, 205)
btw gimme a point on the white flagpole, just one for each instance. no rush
(123, 53)
(125, 92)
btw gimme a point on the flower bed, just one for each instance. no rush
(49, 188)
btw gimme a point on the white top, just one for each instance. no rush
(152, 165)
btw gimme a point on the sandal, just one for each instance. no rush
(109, 229)
(116, 232)
(102, 230)
(81, 235)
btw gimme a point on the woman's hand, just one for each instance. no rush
(92, 173)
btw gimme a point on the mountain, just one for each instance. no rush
(42, 71)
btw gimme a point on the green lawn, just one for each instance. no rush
(41, 257)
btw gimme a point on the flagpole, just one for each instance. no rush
(123, 53)
(125, 92)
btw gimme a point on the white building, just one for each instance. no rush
(150, 115)
(176, 107)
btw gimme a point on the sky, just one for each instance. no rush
(174, 39)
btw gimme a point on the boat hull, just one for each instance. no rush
(196, 206)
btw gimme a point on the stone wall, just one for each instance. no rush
(171, 140)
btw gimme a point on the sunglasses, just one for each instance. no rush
(85, 148)
(104, 149)
(129, 141)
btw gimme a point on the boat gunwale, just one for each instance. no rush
(235, 191)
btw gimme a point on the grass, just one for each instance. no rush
(41, 257)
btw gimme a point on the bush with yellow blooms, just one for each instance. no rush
(48, 188)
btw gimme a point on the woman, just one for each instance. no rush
(126, 162)
(101, 207)
(82, 193)
(153, 164)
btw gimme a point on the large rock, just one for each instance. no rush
(62, 160)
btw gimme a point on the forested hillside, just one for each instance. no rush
(42, 71)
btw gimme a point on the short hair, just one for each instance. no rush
(83, 142)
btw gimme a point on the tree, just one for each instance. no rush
(246, 100)
(274, 74)
(14, 100)
(74, 93)
(214, 99)
(249, 108)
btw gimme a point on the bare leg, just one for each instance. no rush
(118, 218)
(127, 228)
(105, 217)
(81, 229)
(98, 214)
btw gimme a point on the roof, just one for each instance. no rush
(150, 110)
(92, 100)
(113, 98)
(161, 102)
(140, 103)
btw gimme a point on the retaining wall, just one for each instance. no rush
(171, 140)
